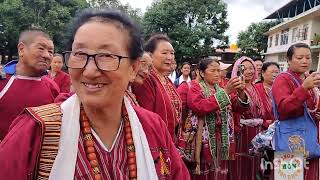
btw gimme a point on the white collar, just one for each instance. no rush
(181, 79)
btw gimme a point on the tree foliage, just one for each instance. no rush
(252, 41)
(194, 26)
(49, 15)
(136, 14)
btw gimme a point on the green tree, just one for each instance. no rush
(252, 41)
(104, 3)
(194, 26)
(51, 16)
(136, 14)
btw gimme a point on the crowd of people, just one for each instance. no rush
(123, 112)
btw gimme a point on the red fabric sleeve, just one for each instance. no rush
(20, 148)
(62, 97)
(236, 106)
(145, 94)
(179, 170)
(65, 84)
(289, 100)
(198, 103)
(55, 90)
(159, 138)
(183, 93)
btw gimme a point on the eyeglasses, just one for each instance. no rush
(103, 61)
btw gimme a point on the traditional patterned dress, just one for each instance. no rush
(247, 165)
(157, 94)
(265, 96)
(223, 82)
(32, 159)
(113, 160)
(207, 136)
(289, 100)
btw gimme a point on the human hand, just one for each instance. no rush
(234, 84)
(311, 81)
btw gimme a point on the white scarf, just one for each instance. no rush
(65, 162)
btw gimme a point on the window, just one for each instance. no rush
(284, 37)
(277, 40)
(270, 41)
(282, 58)
(305, 32)
(294, 35)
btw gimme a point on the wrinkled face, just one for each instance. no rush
(248, 71)
(270, 74)
(212, 74)
(56, 64)
(162, 57)
(258, 65)
(185, 70)
(144, 70)
(36, 56)
(301, 60)
(98, 88)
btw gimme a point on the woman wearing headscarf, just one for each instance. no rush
(250, 121)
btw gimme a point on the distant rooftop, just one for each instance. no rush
(293, 8)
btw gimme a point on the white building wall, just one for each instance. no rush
(279, 58)
(315, 60)
(271, 58)
(315, 27)
(283, 48)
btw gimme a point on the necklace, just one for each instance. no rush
(174, 97)
(91, 152)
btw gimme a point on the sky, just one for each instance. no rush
(241, 13)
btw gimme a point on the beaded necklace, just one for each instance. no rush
(91, 152)
(174, 97)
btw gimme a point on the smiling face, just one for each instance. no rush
(248, 71)
(144, 69)
(97, 88)
(185, 70)
(162, 57)
(37, 55)
(301, 60)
